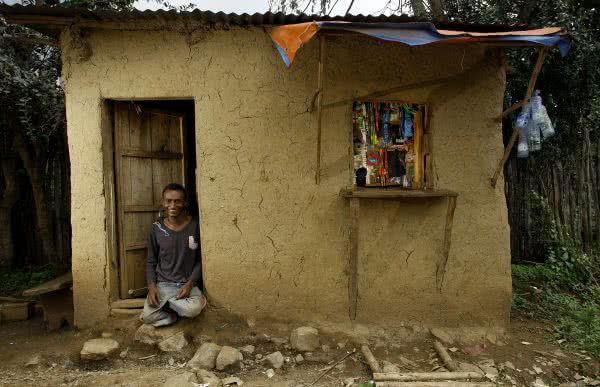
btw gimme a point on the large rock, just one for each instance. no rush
(275, 360)
(98, 349)
(174, 343)
(305, 339)
(229, 357)
(390, 367)
(205, 357)
(207, 377)
(148, 334)
(184, 379)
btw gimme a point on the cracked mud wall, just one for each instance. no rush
(275, 244)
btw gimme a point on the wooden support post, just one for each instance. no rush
(515, 133)
(353, 262)
(441, 269)
(320, 106)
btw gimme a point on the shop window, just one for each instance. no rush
(388, 144)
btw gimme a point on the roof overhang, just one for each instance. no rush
(289, 38)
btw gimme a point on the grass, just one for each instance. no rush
(573, 309)
(13, 282)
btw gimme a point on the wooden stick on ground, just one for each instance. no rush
(333, 365)
(371, 361)
(448, 362)
(434, 384)
(426, 376)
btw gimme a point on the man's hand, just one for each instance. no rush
(153, 298)
(185, 290)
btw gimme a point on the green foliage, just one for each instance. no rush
(14, 282)
(553, 293)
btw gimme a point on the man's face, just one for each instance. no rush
(174, 203)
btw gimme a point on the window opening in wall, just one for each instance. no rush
(388, 144)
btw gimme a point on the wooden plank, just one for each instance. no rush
(353, 261)
(148, 154)
(142, 208)
(441, 269)
(320, 106)
(426, 376)
(64, 281)
(136, 246)
(136, 262)
(394, 193)
(139, 129)
(121, 129)
(159, 132)
(140, 181)
(515, 133)
(128, 303)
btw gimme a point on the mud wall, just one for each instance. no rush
(274, 243)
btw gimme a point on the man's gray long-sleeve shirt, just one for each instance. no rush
(173, 256)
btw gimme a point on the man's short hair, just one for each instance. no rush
(174, 187)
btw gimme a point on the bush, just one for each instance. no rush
(13, 282)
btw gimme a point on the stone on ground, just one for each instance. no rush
(147, 334)
(207, 377)
(509, 365)
(442, 335)
(299, 359)
(305, 339)
(34, 361)
(184, 379)
(538, 383)
(275, 359)
(232, 381)
(205, 357)
(248, 349)
(390, 367)
(228, 357)
(174, 343)
(468, 367)
(98, 349)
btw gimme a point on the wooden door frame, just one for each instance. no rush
(107, 127)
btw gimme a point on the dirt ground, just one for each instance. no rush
(407, 349)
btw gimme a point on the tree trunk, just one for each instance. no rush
(44, 226)
(7, 201)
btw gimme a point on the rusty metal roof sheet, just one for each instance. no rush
(59, 15)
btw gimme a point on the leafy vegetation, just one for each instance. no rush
(13, 282)
(563, 290)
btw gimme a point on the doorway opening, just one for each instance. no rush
(154, 145)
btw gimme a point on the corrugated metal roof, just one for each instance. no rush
(57, 15)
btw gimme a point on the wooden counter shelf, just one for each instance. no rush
(394, 193)
(354, 196)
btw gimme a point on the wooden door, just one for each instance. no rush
(148, 155)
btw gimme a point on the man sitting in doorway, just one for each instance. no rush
(173, 266)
